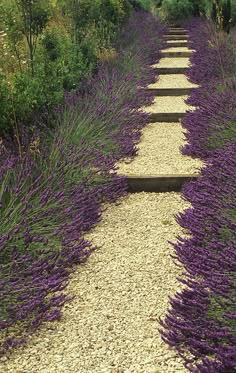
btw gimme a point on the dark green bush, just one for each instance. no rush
(174, 11)
(5, 106)
(141, 4)
(51, 44)
(233, 12)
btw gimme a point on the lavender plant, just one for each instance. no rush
(200, 322)
(52, 192)
(212, 125)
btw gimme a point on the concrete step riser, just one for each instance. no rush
(177, 29)
(171, 70)
(176, 44)
(170, 91)
(176, 32)
(166, 117)
(175, 37)
(175, 54)
(158, 184)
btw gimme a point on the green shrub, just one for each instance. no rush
(200, 7)
(174, 11)
(34, 94)
(29, 94)
(55, 45)
(233, 12)
(141, 4)
(5, 107)
(51, 43)
(63, 59)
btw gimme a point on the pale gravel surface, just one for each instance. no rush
(177, 41)
(172, 81)
(168, 104)
(158, 156)
(107, 328)
(173, 62)
(178, 35)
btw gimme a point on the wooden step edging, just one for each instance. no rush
(177, 32)
(176, 44)
(170, 91)
(178, 28)
(175, 54)
(159, 183)
(166, 117)
(176, 37)
(171, 70)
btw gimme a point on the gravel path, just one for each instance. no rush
(159, 149)
(173, 62)
(168, 104)
(172, 81)
(158, 156)
(111, 326)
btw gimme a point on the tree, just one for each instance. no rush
(221, 14)
(226, 13)
(9, 20)
(214, 11)
(34, 15)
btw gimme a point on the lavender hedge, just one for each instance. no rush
(51, 190)
(201, 320)
(213, 67)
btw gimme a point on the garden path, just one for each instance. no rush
(120, 292)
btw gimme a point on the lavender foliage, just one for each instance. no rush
(52, 191)
(201, 320)
(213, 67)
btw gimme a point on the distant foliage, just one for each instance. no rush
(223, 12)
(175, 11)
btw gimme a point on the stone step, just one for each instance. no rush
(166, 117)
(170, 91)
(158, 183)
(171, 70)
(176, 54)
